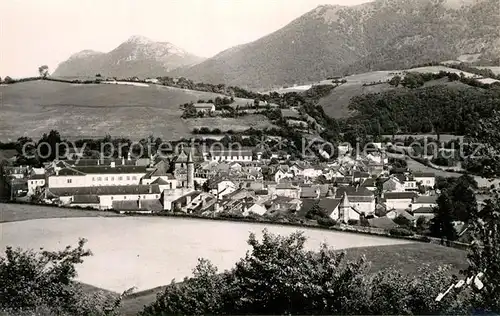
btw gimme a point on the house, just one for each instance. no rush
(201, 203)
(283, 173)
(35, 181)
(86, 201)
(427, 212)
(254, 208)
(359, 176)
(393, 184)
(400, 212)
(231, 155)
(309, 192)
(222, 187)
(204, 107)
(424, 201)
(370, 184)
(287, 189)
(160, 176)
(283, 203)
(345, 211)
(329, 205)
(426, 179)
(360, 198)
(399, 200)
(312, 172)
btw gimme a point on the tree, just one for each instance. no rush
(316, 211)
(442, 223)
(98, 75)
(8, 80)
(50, 146)
(484, 256)
(279, 277)
(403, 222)
(43, 71)
(395, 81)
(43, 283)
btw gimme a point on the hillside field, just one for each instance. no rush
(94, 110)
(336, 104)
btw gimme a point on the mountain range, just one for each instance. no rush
(330, 40)
(138, 56)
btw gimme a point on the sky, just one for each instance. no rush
(38, 32)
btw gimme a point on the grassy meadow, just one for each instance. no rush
(35, 107)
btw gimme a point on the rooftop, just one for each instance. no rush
(400, 195)
(106, 190)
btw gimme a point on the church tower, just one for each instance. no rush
(344, 209)
(190, 171)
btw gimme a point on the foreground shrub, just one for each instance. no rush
(400, 232)
(278, 276)
(327, 222)
(42, 283)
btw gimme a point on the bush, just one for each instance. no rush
(353, 222)
(326, 221)
(401, 232)
(43, 283)
(278, 276)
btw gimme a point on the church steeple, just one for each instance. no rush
(190, 171)
(344, 208)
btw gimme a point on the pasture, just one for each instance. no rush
(94, 110)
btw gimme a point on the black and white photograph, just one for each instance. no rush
(249, 157)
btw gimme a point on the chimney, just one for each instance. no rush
(216, 207)
(128, 156)
(150, 189)
(123, 161)
(188, 199)
(139, 202)
(99, 161)
(112, 164)
(57, 171)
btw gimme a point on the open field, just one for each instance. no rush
(21, 212)
(142, 247)
(94, 110)
(152, 251)
(495, 69)
(337, 102)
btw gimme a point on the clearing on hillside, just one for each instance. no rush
(94, 110)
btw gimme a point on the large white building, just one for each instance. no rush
(231, 155)
(94, 176)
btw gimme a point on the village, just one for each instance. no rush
(353, 189)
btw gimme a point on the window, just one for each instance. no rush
(93, 178)
(143, 197)
(128, 177)
(99, 178)
(69, 180)
(124, 197)
(105, 178)
(111, 198)
(134, 178)
(120, 178)
(156, 195)
(112, 178)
